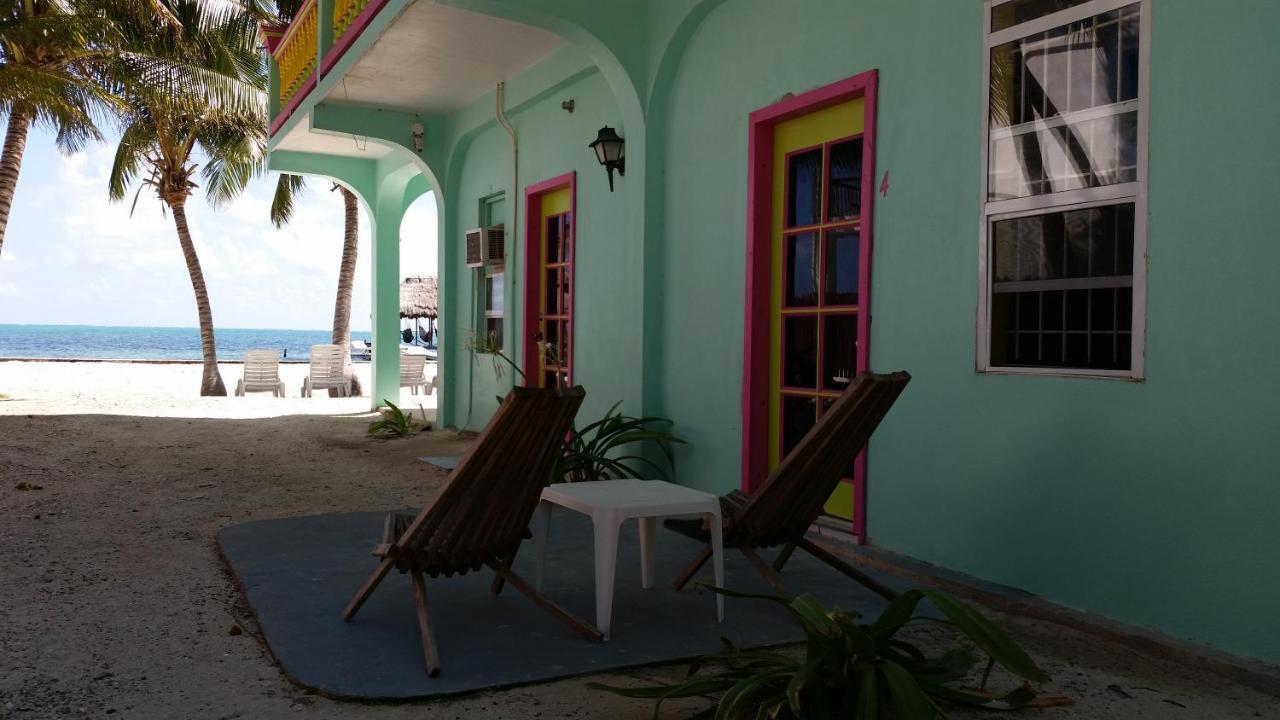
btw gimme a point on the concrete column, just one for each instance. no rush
(385, 265)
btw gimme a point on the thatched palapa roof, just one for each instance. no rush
(419, 298)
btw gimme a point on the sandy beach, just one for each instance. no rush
(170, 389)
(114, 603)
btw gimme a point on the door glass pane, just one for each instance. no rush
(551, 341)
(802, 270)
(839, 350)
(1040, 86)
(841, 283)
(551, 289)
(553, 239)
(798, 415)
(844, 191)
(800, 351)
(804, 188)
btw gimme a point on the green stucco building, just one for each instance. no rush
(1055, 212)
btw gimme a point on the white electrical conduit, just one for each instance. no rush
(501, 116)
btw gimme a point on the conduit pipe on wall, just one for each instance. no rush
(512, 283)
(498, 101)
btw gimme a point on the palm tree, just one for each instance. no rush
(210, 110)
(282, 209)
(58, 62)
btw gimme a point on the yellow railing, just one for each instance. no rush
(345, 13)
(296, 54)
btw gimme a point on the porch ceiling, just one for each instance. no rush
(301, 139)
(438, 59)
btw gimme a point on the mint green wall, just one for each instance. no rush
(1146, 502)
(1153, 503)
(552, 142)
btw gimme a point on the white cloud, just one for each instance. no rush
(71, 255)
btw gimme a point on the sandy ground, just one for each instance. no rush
(113, 601)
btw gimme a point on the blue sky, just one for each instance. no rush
(71, 256)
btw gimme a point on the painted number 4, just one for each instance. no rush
(884, 185)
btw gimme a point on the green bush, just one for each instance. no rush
(393, 423)
(593, 453)
(854, 671)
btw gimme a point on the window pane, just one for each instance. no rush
(553, 240)
(798, 415)
(493, 330)
(1062, 293)
(800, 351)
(844, 188)
(839, 350)
(1062, 115)
(804, 188)
(801, 281)
(841, 281)
(493, 293)
(1020, 11)
(1095, 242)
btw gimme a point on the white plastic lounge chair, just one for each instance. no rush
(261, 373)
(328, 370)
(411, 371)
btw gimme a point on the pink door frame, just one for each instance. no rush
(760, 174)
(533, 267)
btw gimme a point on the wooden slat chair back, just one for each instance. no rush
(328, 369)
(261, 373)
(781, 510)
(482, 513)
(485, 507)
(795, 492)
(412, 375)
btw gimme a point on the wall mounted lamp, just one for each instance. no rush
(611, 152)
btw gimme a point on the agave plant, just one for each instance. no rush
(393, 423)
(595, 452)
(854, 671)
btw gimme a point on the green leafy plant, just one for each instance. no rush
(851, 670)
(595, 451)
(393, 423)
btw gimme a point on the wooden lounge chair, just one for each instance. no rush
(782, 509)
(412, 375)
(482, 513)
(261, 373)
(329, 369)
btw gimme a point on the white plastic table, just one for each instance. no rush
(611, 502)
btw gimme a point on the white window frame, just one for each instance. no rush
(1135, 192)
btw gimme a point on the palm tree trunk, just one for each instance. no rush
(346, 280)
(211, 382)
(15, 144)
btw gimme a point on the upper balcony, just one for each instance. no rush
(410, 56)
(309, 47)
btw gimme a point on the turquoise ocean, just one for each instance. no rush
(152, 343)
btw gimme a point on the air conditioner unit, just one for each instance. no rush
(486, 246)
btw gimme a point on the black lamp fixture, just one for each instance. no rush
(611, 152)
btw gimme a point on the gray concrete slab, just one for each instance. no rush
(444, 462)
(298, 573)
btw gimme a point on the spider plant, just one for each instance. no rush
(393, 423)
(595, 452)
(852, 670)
